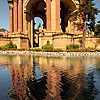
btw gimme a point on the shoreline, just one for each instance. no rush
(52, 54)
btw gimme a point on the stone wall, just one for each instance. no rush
(58, 41)
(21, 42)
(4, 41)
(61, 40)
(90, 42)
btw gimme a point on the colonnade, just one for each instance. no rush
(22, 13)
(16, 16)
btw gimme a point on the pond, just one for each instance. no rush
(44, 78)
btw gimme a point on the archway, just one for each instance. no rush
(37, 11)
(65, 12)
(38, 22)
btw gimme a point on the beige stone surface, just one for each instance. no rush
(53, 13)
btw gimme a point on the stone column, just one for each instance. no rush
(31, 33)
(20, 14)
(48, 14)
(15, 16)
(11, 18)
(29, 29)
(53, 15)
(57, 14)
(69, 26)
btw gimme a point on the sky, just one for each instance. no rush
(4, 14)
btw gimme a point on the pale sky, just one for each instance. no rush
(4, 14)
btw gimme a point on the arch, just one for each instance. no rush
(69, 3)
(65, 13)
(42, 16)
(29, 3)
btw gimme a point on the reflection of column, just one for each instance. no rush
(31, 33)
(48, 14)
(20, 14)
(15, 16)
(11, 18)
(58, 14)
(18, 84)
(53, 86)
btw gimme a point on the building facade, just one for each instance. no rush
(58, 26)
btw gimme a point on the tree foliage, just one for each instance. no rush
(86, 12)
(8, 46)
(97, 30)
(2, 30)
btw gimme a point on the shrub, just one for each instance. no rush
(97, 50)
(38, 49)
(48, 42)
(47, 50)
(57, 50)
(20, 49)
(8, 46)
(14, 46)
(72, 46)
(74, 50)
(47, 47)
(67, 47)
(92, 51)
(90, 48)
(52, 50)
(80, 41)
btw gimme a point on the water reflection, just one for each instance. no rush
(41, 78)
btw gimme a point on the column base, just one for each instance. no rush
(59, 30)
(17, 34)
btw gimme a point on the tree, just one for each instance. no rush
(2, 30)
(86, 12)
(97, 29)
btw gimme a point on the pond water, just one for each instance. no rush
(44, 78)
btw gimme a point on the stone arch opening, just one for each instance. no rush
(65, 12)
(38, 22)
(35, 9)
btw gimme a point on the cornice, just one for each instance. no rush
(10, 1)
(14, 0)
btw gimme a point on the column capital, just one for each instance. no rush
(10, 1)
(11, 6)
